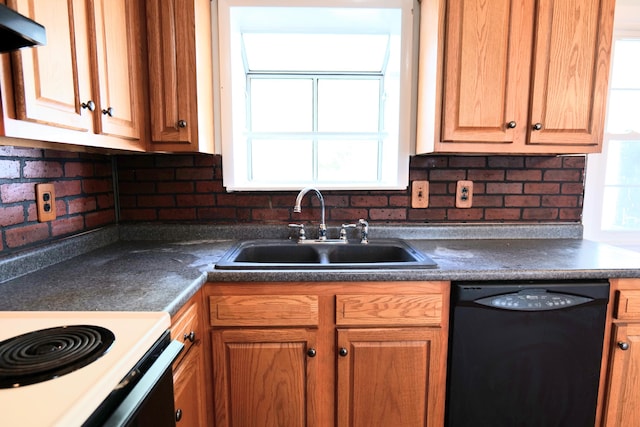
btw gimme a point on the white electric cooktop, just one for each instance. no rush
(68, 400)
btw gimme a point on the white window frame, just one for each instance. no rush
(234, 179)
(595, 179)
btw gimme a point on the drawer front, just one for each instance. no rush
(424, 310)
(264, 310)
(628, 305)
(187, 328)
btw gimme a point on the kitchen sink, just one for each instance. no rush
(330, 254)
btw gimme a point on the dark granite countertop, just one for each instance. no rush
(149, 268)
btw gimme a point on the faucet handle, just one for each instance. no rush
(301, 233)
(364, 234)
(343, 230)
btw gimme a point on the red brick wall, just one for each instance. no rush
(506, 189)
(189, 188)
(83, 187)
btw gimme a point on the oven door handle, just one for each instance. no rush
(130, 405)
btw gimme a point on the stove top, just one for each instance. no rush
(97, 349)
(46, 354)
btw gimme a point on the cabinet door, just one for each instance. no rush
(570, 71)
(486, 72)
(264, 377)
(190, 390)
(391, 377)
(171, 35)
(52, 81)
(116, 55)
(622, 406)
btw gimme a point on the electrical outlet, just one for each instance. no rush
(464, 194)
(46, 202)
(420, 194)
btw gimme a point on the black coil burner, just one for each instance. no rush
(49, 353)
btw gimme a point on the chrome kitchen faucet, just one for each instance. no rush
(322, 228)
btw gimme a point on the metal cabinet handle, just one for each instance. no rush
(537, 126)
(343, 352)
(108, 112)
(178, 414)
(90, 105)
(182, 123)
(511, 125)
(191, 336)
(623, 345)
(311, 352)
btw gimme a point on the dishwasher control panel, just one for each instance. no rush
(533, 300)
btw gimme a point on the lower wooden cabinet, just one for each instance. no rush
(190, 371)
(622, 391)
(324, 354)
(384, 376)
(264, 377)
(189, 384)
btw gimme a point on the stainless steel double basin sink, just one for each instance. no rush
(332, 255)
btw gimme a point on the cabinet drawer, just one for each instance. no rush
(186, 328)
(628, 304)
(389, 309)
(264, 310)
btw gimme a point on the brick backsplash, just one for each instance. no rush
(506, 189)
(188, 188)
(83, 187)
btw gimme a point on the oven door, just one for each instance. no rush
(150, 401)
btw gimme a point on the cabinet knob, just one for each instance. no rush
(511, 124)
(311, 352)
(178, 414)
(191, 336)
(537, 126)
(108, 112)
(623, 345)
(90, 105)
(343, 351)
(182, 123)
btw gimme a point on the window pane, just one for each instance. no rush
(623, 158)
(348, 105)
(281, 105)
(622, 208)
(623, 115)
(315, 52)
(626, 60)
(282, 160)
(351, 161)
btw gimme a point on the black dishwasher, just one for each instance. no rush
(525, 353)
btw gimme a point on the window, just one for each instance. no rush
(612, 203)
(319, 94)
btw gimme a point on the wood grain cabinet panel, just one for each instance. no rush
(327, 354)
(179, 37)
(191, 374)
(83, 87)
(116, 55)
(389, 309)
(387, 377)
(264, 377)
(516, 76)
(53, 81)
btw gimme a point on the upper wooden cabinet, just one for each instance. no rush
(83, 86)
(117, 45)
(180, 75)
(514, 76)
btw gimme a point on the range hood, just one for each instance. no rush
(18, 31)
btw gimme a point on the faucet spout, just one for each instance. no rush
(322, 228)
